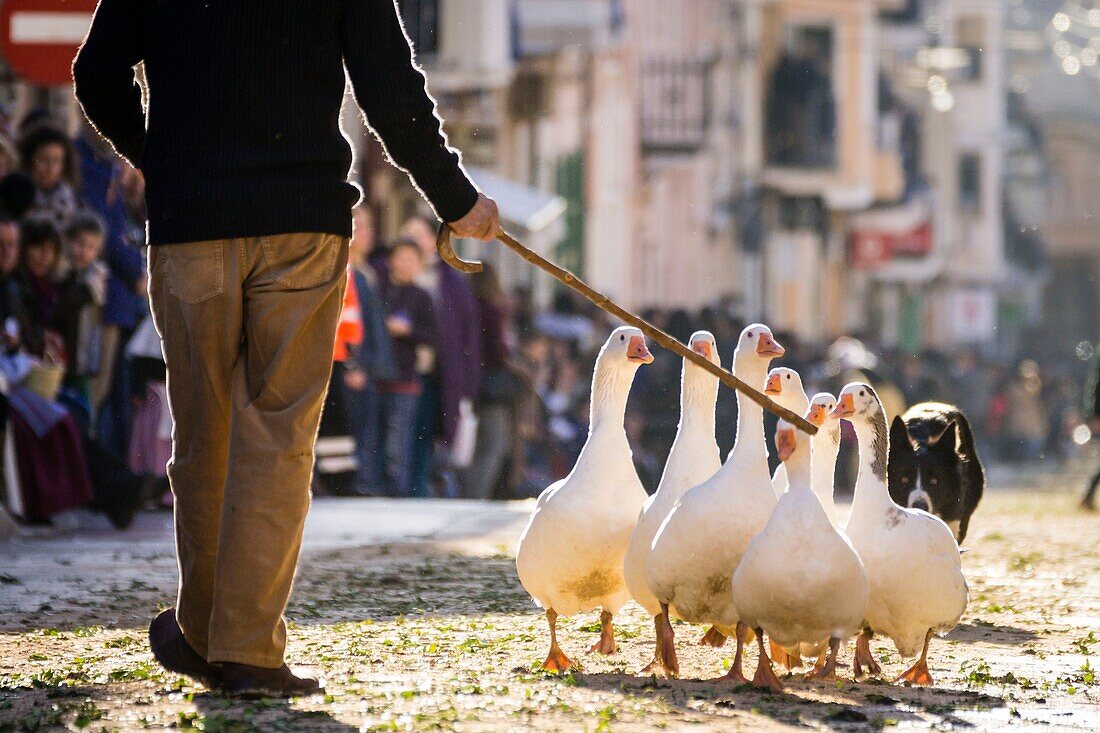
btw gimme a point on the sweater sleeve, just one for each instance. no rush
(104, 76)
(391, 91)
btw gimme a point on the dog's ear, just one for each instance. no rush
(949, 439)
(899, 438)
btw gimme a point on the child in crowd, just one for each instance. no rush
(85, 287)
(48, 158)
(410, 322)
(42, 306)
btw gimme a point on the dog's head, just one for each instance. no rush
(924, 471)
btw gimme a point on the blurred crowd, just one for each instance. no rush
(446, 384)
(78, 393)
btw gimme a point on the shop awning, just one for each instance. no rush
(524, 211)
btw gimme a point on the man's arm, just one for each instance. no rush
(391, 91)
(104, 74)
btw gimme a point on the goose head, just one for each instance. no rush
(755, 349)
(822, 406)
(625, 348)
(785, 388)
(703, 342)
(858, 403)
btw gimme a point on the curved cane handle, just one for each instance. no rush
(447, 252)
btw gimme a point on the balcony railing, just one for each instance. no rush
(675, 101)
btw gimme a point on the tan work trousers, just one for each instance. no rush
(248, 327)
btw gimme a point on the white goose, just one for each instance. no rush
(826, 448)
(911, 557)
(693, 459)
(700, 543)
(824, 596)
(570, 556)
(785, 388)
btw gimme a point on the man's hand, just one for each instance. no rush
(481, 222)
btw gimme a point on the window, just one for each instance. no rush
(800, 110)
(970, 182)
(970, 37)
(421, 19)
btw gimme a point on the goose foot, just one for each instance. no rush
(790, 660)
(736, 675)
(825, 669)
(606, 644)
(656, 668)
(918, 674)
(556, 661)
(765, 675)
(666, 643)
(863, 656)
(819, 663)
(713, 637)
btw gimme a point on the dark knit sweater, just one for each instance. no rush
(241, 137)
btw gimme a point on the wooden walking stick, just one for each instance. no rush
(601, 301)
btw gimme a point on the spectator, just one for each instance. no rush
(500, 389)
(368, 364)
(11, 301)
(40, 258)
(411, 324)
(456, 375)
(1026, 420)
(48, 157)
(107, 184)
(85, 287)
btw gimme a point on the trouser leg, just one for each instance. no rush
(293, 292)
(195, 294)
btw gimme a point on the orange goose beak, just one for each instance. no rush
(702, 347)
(768, 346)
(817, 415)
(638, 352)
(785, 443)
(845, 408)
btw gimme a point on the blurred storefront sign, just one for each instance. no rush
(882, 236)
(39, 38)
(973, 314)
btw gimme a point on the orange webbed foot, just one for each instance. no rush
(713, 637)
(916, 675)
(557, 662)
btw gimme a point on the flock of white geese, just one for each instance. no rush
(727, 545)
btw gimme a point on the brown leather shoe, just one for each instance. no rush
(247, 681)
(174, 653)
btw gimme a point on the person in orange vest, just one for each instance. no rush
(349, 334)
(349, 329)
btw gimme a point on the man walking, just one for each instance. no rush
(249, 215)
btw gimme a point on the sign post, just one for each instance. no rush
(39, 38)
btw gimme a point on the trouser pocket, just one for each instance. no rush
(301, 261)
(193, 272)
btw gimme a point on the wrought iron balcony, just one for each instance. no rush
(675, 102)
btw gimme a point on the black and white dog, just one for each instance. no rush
(934, 465)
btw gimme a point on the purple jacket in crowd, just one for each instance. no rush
(459, 339)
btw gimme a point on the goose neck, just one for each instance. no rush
(610, 390)
(871, 491)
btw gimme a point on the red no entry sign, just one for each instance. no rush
(39, 38)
